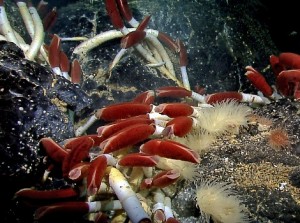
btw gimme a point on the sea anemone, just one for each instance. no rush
(224, 117)
(199, 141)
(187, 170)
(278, 138)
(219, 202)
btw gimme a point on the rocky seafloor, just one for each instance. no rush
(266, 178)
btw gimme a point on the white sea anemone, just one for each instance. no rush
(199, 141)
(224, 117)
(187, 170)
(219, 202)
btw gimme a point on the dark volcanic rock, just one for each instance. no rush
(29, 112)
(29, 96)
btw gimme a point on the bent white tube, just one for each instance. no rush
(97, 40)
(101, 38)
(117, 58)
(39, 34)
(5, 27)
(161, 50)
(27, 19)
(127, 196)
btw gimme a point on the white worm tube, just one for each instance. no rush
(82, 129)
(95, 206)
(127, 196)
(27, 19)
(185, 78)
(117, 58)
(161, 50)
(101, 38)
(97, 40)
(251, 98)
(168, 208)
(5, 27)
(159, 206)
(39, 34)
(198, 97)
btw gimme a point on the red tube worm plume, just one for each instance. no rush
(146, 97)
(143, 24)
(64, 62)
(278, 138)
(132, 38)
(159, 216)
(52, 195)
(168, 41)
(113, 12)
(286, 81)
(174, 109)
(290, 60)
(124, 9)
(138, 159)
(78, 150)
(179, 126)
(71, 209)
(122, 110)
(50, 19)
(111, 128)
(95, 174)
(128, 136)
(276, 66)
(97, 139)
(176, 92)
(223, 96)
(29, 3)
(161, 180)
(170, 149)
(82, 142)
(64, 65)
(42, 8)
(258, 81)
(54, 51)
(53, 150)
(183, 58)
(79, 171)
(76, 72)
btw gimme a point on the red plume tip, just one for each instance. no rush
(132, 38)
(54, 51)
(114, 14)
(124, 9)
(76, 72)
